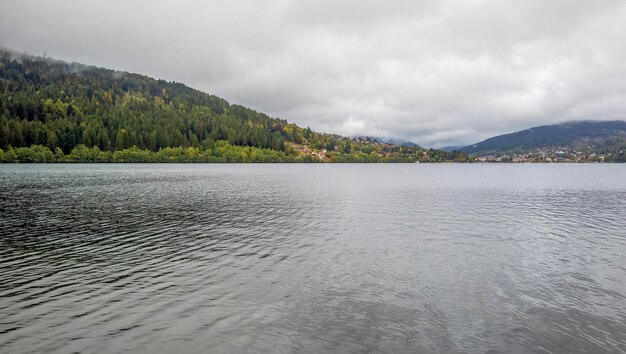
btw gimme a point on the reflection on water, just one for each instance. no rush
(310, 258)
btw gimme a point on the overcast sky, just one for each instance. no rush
(435, 72)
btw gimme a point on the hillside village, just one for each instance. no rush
(554, 154)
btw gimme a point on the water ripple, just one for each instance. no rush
(339, 258)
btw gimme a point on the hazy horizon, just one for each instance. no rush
(434, 73)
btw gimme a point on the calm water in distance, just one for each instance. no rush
(313, 258)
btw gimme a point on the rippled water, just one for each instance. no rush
(312, 258)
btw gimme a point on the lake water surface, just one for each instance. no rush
(313, 258)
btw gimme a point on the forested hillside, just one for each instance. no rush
(53, 107)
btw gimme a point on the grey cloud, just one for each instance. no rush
(436, 72)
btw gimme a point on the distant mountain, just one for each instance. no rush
(452, 148)
(394, 141)
(582, 135)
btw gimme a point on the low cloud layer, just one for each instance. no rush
(434, 72)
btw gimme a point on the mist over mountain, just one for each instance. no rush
(395, 141)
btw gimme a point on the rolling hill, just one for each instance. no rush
(588, 136)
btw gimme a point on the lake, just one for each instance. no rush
(445, 258)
